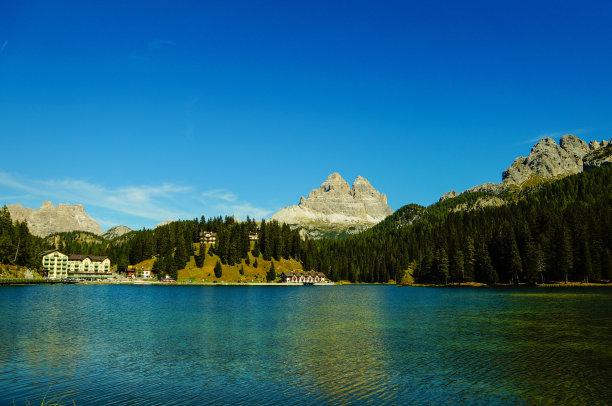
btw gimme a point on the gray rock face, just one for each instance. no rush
(490, 187)
(50, 219)
(598, 157)
(115, 232)
(593, 145)
(548, 160)
(337, 203)
(449, 195)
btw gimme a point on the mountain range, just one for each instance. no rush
(337, 209)
(66, 217)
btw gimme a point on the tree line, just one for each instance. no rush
(558, 231)
(17, 245)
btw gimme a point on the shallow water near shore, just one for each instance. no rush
(134, 345)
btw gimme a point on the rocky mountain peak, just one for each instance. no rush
(549, 160)
(49, 219)
(362, 189)
(574, 145)
(335, 202)
(334, 185)
(116, 232)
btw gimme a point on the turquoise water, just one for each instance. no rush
(168, 345)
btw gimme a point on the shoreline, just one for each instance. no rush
(23, 281)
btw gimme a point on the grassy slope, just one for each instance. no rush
(230, 273)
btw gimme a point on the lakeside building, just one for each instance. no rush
(208, 237)
(302, 277)
(57, 265)
(138, 272)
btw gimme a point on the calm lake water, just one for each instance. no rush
(170, 345)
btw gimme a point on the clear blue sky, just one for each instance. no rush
(144, 111)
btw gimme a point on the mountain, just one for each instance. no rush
(115, 232)
(49, 219)
(547, 161)
(559, 230)
(336, 209)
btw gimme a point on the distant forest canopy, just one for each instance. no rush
(172, 244)
(556, 231)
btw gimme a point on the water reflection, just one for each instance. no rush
(349, 344)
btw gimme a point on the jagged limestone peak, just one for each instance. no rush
(574, 145)
(49, 219)
(335, 202)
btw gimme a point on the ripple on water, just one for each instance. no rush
(347, 344)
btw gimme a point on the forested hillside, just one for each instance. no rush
(554, 232)
(17, 245)
(173, 244)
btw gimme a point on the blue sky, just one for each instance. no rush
(144, 111)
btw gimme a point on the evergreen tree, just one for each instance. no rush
(458, 267)
(159, 268)
(271, 275)
(588, 263)
(6, 236)
(566, 257)
(606, 265)
(530, 262)
(516, 267)
(256, 252)
(218, 269)
(180, 254)
(442, 265)
(484, 268)
(255, 264)
(201, 257)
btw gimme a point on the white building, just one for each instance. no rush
(57, 265)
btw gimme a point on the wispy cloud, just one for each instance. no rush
(3, 46)
(152, 202)
(218, 194)
(142, 201)
(246, 209)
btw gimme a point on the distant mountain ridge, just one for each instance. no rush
(336, 208)
(49, 219)
(115, 232)
(546, 161)
(64, 218)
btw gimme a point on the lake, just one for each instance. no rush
(359, 344)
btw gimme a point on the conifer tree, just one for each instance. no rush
(458, 268)
(256, 252)
(443, 265)
(271, 275)
(516, 267)
(180, 254)
(218, 269)
(201, 257)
